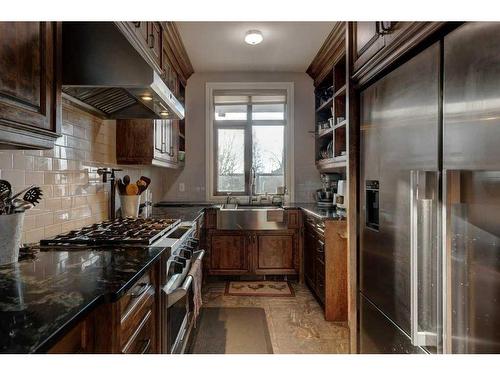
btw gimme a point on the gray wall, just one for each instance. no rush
(193, 173)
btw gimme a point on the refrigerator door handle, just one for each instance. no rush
(421, 259)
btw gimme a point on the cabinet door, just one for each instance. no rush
(30, 84)
(79, 340)
(309, 257)
(229, 254)
(155, 41)
(368, 40)
(142, 31)
(158, 135)
(275, 254)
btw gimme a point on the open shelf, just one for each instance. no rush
(340, 91)
(325, 132)
(327, 165)
(340, 124)
(325, 105)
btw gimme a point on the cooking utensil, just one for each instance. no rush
(146, 179)
(142, 186)
(5, 188)
(33, 195)
(121, 186)
(132, 189)
(22, 191)
(126, 179)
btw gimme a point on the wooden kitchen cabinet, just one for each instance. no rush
(325, 265)
(310, 244)
(275, 253)
(147, 142)
(378, 45)
(368, 40)
(253, 252)
(79, 340)
(147, 37)
(229, 254)
(130, 325)
(155, 41)
(30, 84)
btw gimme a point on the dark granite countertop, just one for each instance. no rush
(42, 298)
(186, 211)
(189, 211)
(315, 210)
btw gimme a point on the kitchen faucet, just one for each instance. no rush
(251, 185)
(104, 173)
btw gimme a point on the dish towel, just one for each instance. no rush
(196, 273)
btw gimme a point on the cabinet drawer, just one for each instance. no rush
(135, 295)
(142, 340)
(134, 317)
(320, 286)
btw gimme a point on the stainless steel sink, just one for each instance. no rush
(251, 218)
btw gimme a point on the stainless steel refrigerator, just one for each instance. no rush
(430, 200)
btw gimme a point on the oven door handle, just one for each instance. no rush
(176, 294)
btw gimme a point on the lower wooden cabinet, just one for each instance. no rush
(275, 253)
(131, 325)
(229, 253)
(325, 265)
(253, 252)
(80, 340)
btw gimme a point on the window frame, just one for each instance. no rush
(213, 125)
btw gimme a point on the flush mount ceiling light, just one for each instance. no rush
(164, 113)
(146, 98)
(253, 37)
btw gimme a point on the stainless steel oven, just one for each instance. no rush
(177, 292)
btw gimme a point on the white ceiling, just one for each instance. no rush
(219, 46)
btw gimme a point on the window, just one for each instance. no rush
(249, 133)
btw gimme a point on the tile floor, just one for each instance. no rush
(296, 324)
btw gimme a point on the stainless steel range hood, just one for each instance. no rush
(103, 70)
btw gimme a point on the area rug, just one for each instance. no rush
(259, 288)
(232, 330)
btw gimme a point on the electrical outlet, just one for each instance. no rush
(182, 187)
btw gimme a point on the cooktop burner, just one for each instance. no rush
(116, 232)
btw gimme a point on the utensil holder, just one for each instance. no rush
(11, 230)
(130, 205)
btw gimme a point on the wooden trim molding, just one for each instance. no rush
(330, 52)
(177, 52)
(408, 38)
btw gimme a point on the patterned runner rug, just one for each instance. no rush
(259, 288)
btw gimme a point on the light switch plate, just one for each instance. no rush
(182, 187)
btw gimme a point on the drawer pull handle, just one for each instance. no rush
(342, 236)
(140, 292)
(146, 345)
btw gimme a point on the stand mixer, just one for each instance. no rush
(324, 196)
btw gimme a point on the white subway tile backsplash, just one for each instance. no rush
(74, 195)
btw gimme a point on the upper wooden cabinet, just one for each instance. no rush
(147, 142)
(30, 84)
(377, 45)
(368, 39)
(161, 46)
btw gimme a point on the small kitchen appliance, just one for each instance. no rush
(324, 196)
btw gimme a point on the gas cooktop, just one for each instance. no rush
(128, 231)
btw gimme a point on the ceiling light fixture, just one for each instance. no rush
(146, 98)
(164, 113)
(253, 37)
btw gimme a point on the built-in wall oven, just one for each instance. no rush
(177, 291)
